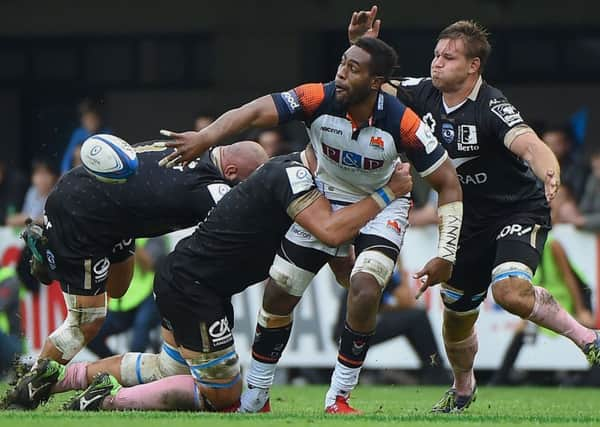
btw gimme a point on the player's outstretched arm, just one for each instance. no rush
(364, 24)
(259, 113)
(445, 181)
(335, 228)
(529, 147)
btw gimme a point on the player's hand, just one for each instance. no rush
(436, 271)
(551, 184)
(364, 24)
(188, 146)
(401, 181)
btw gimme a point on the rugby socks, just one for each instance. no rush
(269, 343)
(549, 314)
(461, 355)
(351, 356)
(176, 392)
(74, 377)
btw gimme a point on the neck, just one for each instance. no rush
(458, 95)
(363, 110)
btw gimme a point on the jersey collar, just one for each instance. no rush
(473, 95)
(378, 113)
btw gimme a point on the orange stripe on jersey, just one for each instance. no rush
(310, 95)
(408, 127)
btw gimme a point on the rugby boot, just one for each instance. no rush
(592, 351)
(342, 407)
(452, 402)
(34, 388)
(91, 398)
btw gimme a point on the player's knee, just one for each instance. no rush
(511, 282)
(372, 266)
(458, 325)
(79, 327)
(289, 277)
(364, 291)
(342, 269)
(141, 368)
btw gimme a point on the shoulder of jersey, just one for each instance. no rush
(109, 158)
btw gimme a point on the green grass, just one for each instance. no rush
(383, 406)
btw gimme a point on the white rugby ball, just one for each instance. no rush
(109, 158)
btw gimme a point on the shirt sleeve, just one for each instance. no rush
(410, 93)
(295, 188)
(420, 144)
(504, 120)
(299, 103)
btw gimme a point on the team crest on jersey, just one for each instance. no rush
(447, 133)
(377, 142)
(506, 111)
(394, 225)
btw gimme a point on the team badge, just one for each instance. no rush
(447, 133)
(377, 142)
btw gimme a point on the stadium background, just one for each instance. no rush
(160, 64)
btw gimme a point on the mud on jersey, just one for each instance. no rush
(477, 135)
(355, 160)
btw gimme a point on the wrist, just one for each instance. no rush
(383, 196)
(449, 230)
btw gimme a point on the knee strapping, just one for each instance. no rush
(142, 368)
(376, 264)
(511, 269)
(210, 369)
(68, 337)
(291, 278)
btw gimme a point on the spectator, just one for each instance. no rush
(91, 123)
(587, 215)
(573, 173)
(43, 178)
(10, 324)
(12, 191)
(273, 143)
(203, 121)
(136, 310)
(400, 316)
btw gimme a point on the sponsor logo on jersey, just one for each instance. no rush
(514, 229)
(350, 159)
(477, 178)
(122, 245)
(370, 164)
(507, 112)
(429, 121)
(100, 269)
(220, 332)
(332, 130)
(447, 133)
(300, 179)
(427, 138)
(394, 225)
(291, 100)
(332, 153)
(377, 142)
(218, 190)
(467, 138)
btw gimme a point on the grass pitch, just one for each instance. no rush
(383, 406)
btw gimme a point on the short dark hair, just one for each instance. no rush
(383, 56)
(474, 36)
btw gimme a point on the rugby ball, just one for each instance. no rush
(109, 158)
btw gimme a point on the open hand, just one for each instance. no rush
(437, 270)
(364, 24)
(188, 146)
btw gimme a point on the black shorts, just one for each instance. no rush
(517, 238)
(81, 270)
(199, 318)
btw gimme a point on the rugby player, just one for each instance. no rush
(508, 176)
(90, 229)
(357, 134)
(231, 250)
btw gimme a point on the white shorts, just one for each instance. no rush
(390, 224)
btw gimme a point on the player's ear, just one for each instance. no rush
(230, 173)
(475, 65)
(377, 82)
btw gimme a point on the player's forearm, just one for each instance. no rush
(341, 226)
(541, 160)
(260, 113)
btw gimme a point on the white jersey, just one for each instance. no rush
(355, 161)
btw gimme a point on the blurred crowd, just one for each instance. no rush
(578, 204)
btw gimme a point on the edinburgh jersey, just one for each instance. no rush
(235, 246)
(156, 200)
(477, 134)
(356, 159)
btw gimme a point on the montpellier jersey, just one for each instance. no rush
(356, 159)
